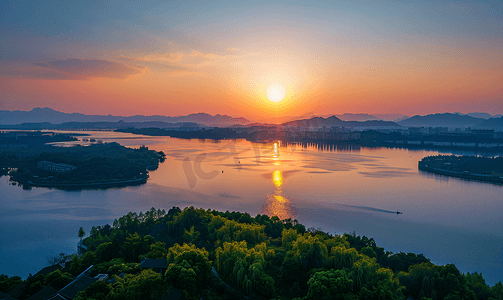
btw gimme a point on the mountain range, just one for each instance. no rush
(480, 115)
(453, 121)
(100, 125)
(48, 115)
(335, 121)
(434, 120)
(40, 118)
(366, 117)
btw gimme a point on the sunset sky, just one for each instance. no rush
(180, 57)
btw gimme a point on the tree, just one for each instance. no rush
(146, 285)
(497, 291)
(157, 251)
(89, 258)
(7, 283)
(61, 258)
(76, 267)
(82, 233)
(136, 245)
(369, 251)
(57, 279)
(189, 268)
(94, 231)
(332, 284)
(97, 291)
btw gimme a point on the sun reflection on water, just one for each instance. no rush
(277, 178)
(275, 156)
(277, 204)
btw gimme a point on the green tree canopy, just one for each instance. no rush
(82, 233)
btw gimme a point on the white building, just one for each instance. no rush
(54, 167)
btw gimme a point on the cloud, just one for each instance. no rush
(176, 62)
(209, 56)
(178, 57)
(233, 49)
(126, 58)
(71, 69)
(92, 68)
(46, 65)
(166, 57)
(14, 71)
(162, 66)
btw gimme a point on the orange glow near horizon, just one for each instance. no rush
(237, 84)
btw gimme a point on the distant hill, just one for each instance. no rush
(493, 123)
(356, 117)
(348, 117)
(391, 117)
(41, 115)
(371, 124)
(442, 120)
(99, 125)
(334, 121)
(479, 115)
(367, 117)
(401, 119)
(316, 122)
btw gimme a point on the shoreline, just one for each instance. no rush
(469, 176)
(129, 182)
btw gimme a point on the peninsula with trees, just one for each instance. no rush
(208, 254)
(468, 167)
(95, 166)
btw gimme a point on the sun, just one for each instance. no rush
(275, 93)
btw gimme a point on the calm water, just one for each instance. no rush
(338, 190)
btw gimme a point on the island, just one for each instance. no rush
(95, 166)
(468, 167)
(208, 254)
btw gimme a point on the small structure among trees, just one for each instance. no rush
(157, 265)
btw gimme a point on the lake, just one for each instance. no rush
(336, 188)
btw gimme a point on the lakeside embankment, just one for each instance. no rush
(467, 167)
(111, 184)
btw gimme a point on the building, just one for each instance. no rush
(157, 265)
(54, 167)
(44, 293)
(4, 296)
(80, 283)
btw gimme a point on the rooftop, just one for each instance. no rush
(4, 296)
(154, 263)
(44, 293)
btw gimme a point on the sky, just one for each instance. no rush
(180, 57)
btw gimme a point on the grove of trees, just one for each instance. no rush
(231, 255)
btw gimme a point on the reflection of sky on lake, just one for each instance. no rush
(339, 189)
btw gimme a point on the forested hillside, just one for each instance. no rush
(231, 255)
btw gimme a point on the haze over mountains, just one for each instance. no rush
(335, 121)
(361, 117)
(453, 121)
(48, 116)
